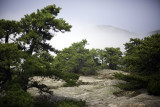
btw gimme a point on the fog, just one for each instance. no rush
(91, 19)
(98, 36)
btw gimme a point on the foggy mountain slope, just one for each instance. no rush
(99, 36)
(113, 36)
(153, 32)
(110, 28)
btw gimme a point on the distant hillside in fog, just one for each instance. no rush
(110, 36)
(109, 28)
(99, 36)
(153, 32)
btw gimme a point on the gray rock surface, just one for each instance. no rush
(98, 91)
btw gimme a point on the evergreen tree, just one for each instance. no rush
(75, 59)
(24, 51)
(110, 57)
(9, 53)
(142, 56)
(142, 59)
(38, 28)
(8, 30)
(130, 57)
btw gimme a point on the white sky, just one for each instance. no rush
(138, 16)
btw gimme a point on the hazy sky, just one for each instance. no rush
(139, 16)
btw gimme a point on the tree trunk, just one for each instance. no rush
(7, 38)
(31, 49)
(8, 72)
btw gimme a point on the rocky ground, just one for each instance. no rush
(100, 91)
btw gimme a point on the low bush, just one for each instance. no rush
(88, 71)
(72, 103)
(137, 81)
(70, 83)
(16, 97)
(154, 87)
(128, 86)
(45, 101)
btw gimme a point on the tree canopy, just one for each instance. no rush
(142, 60)
(142, 56)
(24, 50)
(38, 28)
(75, 59)
(110, 58)
(8, 30)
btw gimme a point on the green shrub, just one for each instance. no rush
(88, 71)
(104, 66)
(45, 101)
(128, 86)
(70, 83)
(65, 75)
(154, 87)
(16, 97)
(134, 81)
(119, 76)
(72, 103)
(142, 60)
(131, 77)
(137, 81)
(70, 77)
